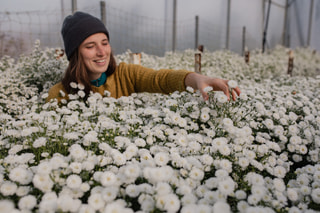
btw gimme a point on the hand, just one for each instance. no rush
(200, 82)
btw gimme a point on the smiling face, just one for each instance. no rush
(95, 51)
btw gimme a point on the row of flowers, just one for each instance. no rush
(163, 153)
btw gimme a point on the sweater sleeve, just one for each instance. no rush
(155, 81)
(57, 92)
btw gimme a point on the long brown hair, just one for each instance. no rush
(77, 72)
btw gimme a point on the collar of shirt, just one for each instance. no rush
(100, 81)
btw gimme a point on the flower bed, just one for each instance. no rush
(164, 153)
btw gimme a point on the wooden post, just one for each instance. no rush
(310, 23)
(197, 64)
(247, 56)
(290, 63)
(103, 12)
(174, 26)
(243, 40)
(201, 48)
(135, 58)
(74, 6)
(197, 32)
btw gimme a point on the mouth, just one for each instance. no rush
(100, 62)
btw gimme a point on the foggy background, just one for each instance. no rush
(147, 25)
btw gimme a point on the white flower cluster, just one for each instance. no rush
(166, 153)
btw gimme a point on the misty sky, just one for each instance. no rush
(243, 13)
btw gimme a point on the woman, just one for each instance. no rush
(92, 64)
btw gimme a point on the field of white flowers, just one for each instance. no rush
(164, 153)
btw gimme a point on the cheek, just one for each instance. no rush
(87, 55)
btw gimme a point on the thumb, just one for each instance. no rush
(205, 95)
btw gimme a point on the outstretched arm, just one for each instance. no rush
(199, 82)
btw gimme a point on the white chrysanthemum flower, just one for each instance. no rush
(91, 136)
(132, 190)
(206, 159)
(220, 97)
(227, 186)
(208, 89)
(226, 165)
(131, 151)
(219, 142)
(232, 84)
(163, 173)
(243, 162)
(292, 194)
(147, 203)
(80, 86)
(279, 184)
(258, 190)
(204, 116)
(305, 190)
(295, 140)
(171, 102)
(196, 174)
(85, 208)
(254, 179)
(221, 207)
(110, 193)
(163, 188)
(76, 167)
(171, 202)
(225, 150)
(44, 167)
(132, 171)
(293, 130)
(315, 195)
(243, 96)
(20, 175)
(182, 140)
(6, 206)
(280, 171)
(116, 207)
(73, 85)
(42, 182)
(253, 199)
(242, 206)
(140, 142)
(227, 122)
(108, 178)
(81, 93)
(161, 158)
(190, 89)
(27, 202)
(77, 152)
(39, 142)
(249, 154)
(118, 157)
(188, 199)
(8, 188)
(241, 195)
(23, 191)
(269, 123)
(74, 181)
(96, 201)
(294, 209)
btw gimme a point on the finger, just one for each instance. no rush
(227, 93)
(233, 95)
(237, 89)
(205, 95)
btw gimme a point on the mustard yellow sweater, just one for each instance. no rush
(131, 78)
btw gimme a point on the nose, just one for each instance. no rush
(99, 50)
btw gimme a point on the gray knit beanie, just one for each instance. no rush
(77, 27)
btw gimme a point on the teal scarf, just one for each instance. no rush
(100, 81)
